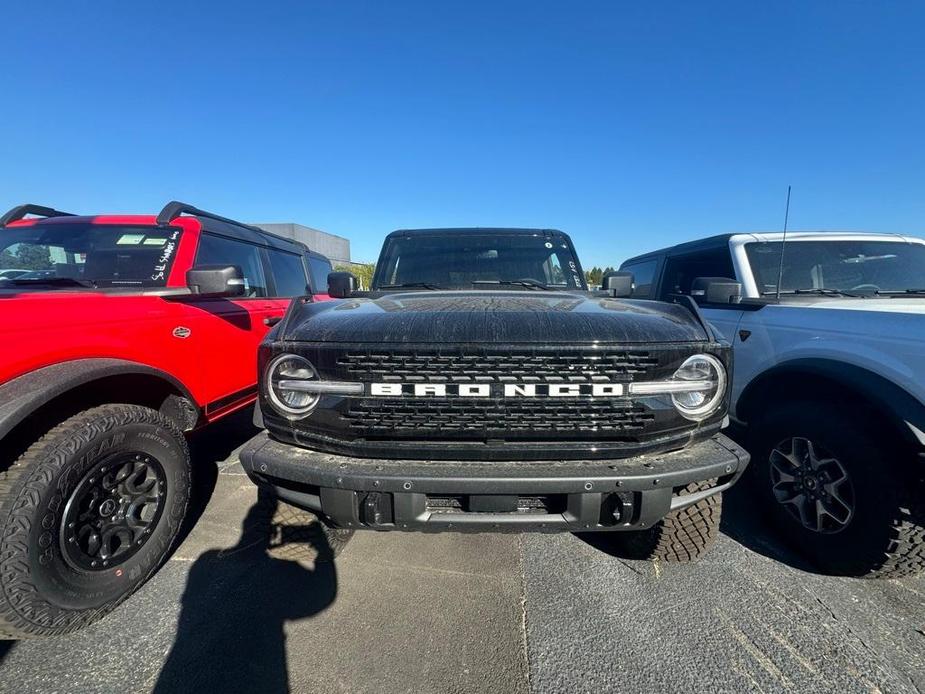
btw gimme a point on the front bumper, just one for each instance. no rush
(572, 495)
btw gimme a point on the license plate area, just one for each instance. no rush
(496, 503)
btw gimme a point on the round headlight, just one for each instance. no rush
(703, 400)
(284, 374)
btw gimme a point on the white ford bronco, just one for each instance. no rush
(828, 332)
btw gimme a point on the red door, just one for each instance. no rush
(228, 330)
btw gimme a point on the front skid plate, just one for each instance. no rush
(343, 483)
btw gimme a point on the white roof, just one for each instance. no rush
(771, 236)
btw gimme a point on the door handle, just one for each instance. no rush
(270, 321)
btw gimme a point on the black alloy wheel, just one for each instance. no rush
(812, 485)
(112, 511)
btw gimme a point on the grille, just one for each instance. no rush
(527, 416)
(521, 367)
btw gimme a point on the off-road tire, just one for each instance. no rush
(301, 536)
(886, 536)
(42, 594)
(684, 535)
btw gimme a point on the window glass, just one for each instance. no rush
(859, 266)
(475, 260)
(319, 268)
(288, 273)
(682, 270)
(85, 254)
(643, 277)
(217, 250)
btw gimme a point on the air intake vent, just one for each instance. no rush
(523, 367)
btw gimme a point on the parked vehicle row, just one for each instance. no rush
(127, 332)
(829, 381)
(479, 385)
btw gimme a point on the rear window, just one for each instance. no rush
(320, 269)
(95, 255)
(288, 273)
(643, 278)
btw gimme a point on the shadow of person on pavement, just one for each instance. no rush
(230, 635)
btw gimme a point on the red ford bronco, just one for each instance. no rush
(118, 334)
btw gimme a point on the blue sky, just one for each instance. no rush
(629, 125)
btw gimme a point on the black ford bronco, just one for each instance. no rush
(479, 386)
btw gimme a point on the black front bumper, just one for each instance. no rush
(430, 495)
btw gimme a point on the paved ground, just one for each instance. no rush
(491, 613)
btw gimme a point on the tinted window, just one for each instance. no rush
(681, 271)
(862, 266)
(643, 278)
(288, 273)
(217, 250)
(473, 261)
(99, 255)
(319, 268)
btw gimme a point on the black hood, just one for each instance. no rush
(492, 317)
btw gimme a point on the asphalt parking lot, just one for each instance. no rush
(506, 613)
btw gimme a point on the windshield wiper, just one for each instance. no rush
(54, 281)
(410, 285)
(900, 292)
(817, 291)
(531, 284)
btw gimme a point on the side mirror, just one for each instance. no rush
(716, 290)
(216, 280)
(619, 284)
(341, 284)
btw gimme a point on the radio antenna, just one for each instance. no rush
(783, 243)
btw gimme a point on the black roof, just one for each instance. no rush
(244, 232)
(472, 230)
(709, 243)
(228, 227)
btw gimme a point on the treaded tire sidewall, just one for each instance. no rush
(862, 547)
(41, 593)
(300, 535)
(683, 535)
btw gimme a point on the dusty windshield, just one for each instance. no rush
(479, 261)
(861, 267)
(98, 256)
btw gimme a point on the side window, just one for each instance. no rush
(643, 278)
(217, 250)
(682, 270)
(320, 268)
(288, 273)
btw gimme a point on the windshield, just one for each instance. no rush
(87, 255)
(846, 266)
(471, 261)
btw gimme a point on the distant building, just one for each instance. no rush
(336, 248)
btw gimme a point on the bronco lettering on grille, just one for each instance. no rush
(490, 390)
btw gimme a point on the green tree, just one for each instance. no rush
(7, 260)
(594, 275)
(362, 271)
(32, 257)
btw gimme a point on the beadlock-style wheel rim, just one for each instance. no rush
(113, 511)
(812, 485)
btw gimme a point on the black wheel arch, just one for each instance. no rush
(826, 378)
(46, 395)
